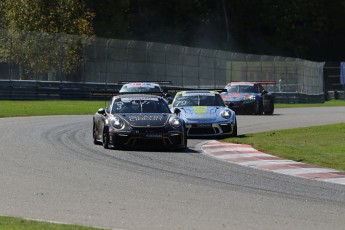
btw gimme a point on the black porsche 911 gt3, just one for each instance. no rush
(138, 120)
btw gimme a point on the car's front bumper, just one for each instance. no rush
(148, 138)
(244, 107)
(209, 129)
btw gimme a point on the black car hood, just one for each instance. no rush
(146, 119)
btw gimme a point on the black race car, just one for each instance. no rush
(138, 120)
(249, 98)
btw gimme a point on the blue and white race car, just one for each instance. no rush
(204, 113)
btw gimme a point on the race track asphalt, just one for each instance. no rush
(50, 170)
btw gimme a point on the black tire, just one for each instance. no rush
(258, 108)
(105, 138)
(270, 109)
(185, 142)
(94, 135)
(234, 132)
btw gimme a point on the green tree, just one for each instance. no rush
(44, 36)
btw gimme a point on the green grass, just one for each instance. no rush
(326, 104)
(65, 107)
(38, 108)
(13, 223)
(318, 145)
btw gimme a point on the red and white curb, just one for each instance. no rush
(248, 156)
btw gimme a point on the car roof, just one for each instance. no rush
(137, 96)
(242, 83)
(141, 84)
(197, 91)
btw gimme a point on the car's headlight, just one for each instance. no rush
(175, 122)
(226, 114)
(117, 123)
(250, 98)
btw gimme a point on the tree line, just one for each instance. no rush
(313, 30)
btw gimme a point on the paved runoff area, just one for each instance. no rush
(246, 155)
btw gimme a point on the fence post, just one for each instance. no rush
(183, 57)
(106, 64)
(199, 54)
(215, 68)
(261, 72)
(247, 66)
(165, 60)
(10, 64)
(127, 54)
(146, 58)
(61, 58)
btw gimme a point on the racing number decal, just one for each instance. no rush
(119, 105)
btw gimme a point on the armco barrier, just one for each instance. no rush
(53, 90)
(49, 90)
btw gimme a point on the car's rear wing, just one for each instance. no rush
(156, 82)
(252, 82)
(115, 93)
(266, 82)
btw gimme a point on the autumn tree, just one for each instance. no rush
(44, 36)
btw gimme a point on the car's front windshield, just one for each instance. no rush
(242, 89)
(140, 105)
(140, 89)
(198, 100)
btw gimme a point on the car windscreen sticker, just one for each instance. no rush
(135, 85)
(241, 83)
(118, 105)
(139, 99)
(198, 94)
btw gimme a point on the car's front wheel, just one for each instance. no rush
(270, 108)
(234, 130)
(258, 108)
(94, 134)
(105, 139)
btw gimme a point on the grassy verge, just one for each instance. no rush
(318, 145)
(11, 223)
(326, 104)
(38, 108)
(42, 108)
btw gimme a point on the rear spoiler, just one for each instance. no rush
(221, 90)
(157, 82)
(115, 93)
(261, 82)
(267, 82)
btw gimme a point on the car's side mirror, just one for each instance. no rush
(101, 111)
(231, 105)
(264, 92)
(177, 111)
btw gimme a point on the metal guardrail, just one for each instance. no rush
(53, 90)
(50, 90)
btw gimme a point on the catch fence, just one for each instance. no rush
(56, 57)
